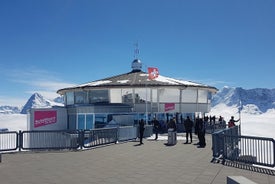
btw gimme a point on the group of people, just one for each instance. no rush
(199, 126)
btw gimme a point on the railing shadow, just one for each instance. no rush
(250, 167)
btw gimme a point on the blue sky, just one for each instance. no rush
(48, 45)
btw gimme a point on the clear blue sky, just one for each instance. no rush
(52, 44)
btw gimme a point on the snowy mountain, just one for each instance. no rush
(9, 110)
(253, 101)
(38, 101)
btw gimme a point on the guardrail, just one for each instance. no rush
(250, 150)
(66, 139)
(228, 144)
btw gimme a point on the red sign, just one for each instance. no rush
(43, 118)
(169, 106)
(153, 73)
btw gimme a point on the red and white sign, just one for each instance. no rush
(169, 106)
(153, 73)
(43, 118)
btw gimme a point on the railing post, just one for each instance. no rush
(20, 140)
(273, 153)
(0, 157)
(224, 147)
(117, 135)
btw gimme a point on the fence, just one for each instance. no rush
(57, 140)
(228, 144)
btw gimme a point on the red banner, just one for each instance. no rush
(153, 73)
(169, 106)
(43, 118)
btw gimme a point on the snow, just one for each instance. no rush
(14, 122)
(95, 83)
(252, 123)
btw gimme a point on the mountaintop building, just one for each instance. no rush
(125, 99)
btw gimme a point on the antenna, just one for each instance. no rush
(136, 51)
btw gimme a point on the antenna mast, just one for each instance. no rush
(136, 51)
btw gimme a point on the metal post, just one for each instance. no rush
(0, 157)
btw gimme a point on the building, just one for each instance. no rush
(124, 99)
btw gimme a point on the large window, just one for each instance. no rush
(80, 97)
(203, 96)
(141, 95)
(127, 96)
(169, 95)
(189, 96)
(85, 121)
(115, 96)
(99, 96)
(69, 98)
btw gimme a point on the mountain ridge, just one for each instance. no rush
(253, 101)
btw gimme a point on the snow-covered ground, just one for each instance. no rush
(14, 122)
(251, 124)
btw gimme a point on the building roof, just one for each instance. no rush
(136, 78)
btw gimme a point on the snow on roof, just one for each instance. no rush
(95, 83)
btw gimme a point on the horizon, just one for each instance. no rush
(49, 45)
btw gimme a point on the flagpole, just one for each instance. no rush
(240, 110)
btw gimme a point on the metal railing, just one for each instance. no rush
(228, 144)
(250, 150)
(66, 139)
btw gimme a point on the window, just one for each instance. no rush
(80, 97)
(69, 98)
(99, 96)
(189, 96)
(169, 95)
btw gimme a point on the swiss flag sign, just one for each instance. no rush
(153, 72)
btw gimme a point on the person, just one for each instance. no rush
(188, 124)
(232, 122)
(172, 124)
(141, 130)
(201, 133)
(156, 125)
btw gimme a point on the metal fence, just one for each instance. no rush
(58, 140)
(228, 144)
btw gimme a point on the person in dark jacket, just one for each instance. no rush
(201, 133)
(141, 130)
(188, 124)
(156, 125)
(172, 124)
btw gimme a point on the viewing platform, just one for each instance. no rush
(129, 163)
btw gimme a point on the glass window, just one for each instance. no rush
(100, 120)
(81, 121)
(89, 121)
(154, 95)
(115, 96)
(140, 95)
(169, 95)
(127, 95)
(189, 96)
(80, 97)
(203, 95)
(96, 96)
(69, 98)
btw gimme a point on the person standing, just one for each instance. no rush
(201, 133)
(156, 127)
(232, 122)
(188, 124)
(141, 130)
